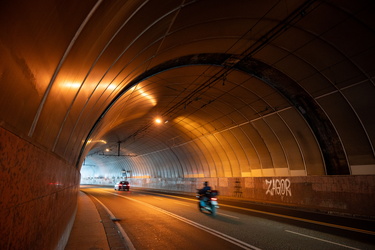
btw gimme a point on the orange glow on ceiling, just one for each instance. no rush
(192, 126)
(147, 96)
(75, 85)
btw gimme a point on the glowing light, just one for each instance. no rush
(111, 87)
(95, 141)
(75, 85)
(107, 86)
(158, 120)
(149, 97)
(142, 176)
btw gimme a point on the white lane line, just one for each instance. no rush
(288, 217)
(122, 231)
(228, 238)
(315, 238)
(158, 198)
(227, 215)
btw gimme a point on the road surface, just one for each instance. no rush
(150, 220)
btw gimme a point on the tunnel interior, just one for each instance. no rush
(203, 131)
(242, 89)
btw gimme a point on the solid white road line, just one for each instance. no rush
(228, 238)
(315, 238)
(288, 217)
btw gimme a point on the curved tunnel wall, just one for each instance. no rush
(235, 143)
(63, 63)
(227, 153)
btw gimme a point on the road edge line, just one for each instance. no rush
(228, 238)
(128, 242)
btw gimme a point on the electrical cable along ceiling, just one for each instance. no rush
(226, 110)
(241, 88)
(223, 118)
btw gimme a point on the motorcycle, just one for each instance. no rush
(208, 201)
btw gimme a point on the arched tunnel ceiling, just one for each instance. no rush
(243, 88)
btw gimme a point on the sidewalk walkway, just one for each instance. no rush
(88, 231)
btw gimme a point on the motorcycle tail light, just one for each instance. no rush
(214, 199)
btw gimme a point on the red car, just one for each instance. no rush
(122, 185)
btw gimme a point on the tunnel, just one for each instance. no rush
(270, 101)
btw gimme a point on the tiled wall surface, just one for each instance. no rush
(38, 195)
(350, 195)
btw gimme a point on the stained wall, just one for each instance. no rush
(38, 195)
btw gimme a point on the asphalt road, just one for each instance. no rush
(150, 220)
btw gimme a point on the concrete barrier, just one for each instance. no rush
(345, 195)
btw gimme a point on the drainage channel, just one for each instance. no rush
(116, 237)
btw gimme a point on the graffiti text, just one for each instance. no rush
(279, 187)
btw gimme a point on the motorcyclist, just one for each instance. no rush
(202, 192)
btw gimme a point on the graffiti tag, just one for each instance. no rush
(279, 187)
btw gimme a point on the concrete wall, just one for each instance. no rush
(346, 195)
(38, 196)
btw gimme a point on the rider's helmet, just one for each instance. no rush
(205, 183)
